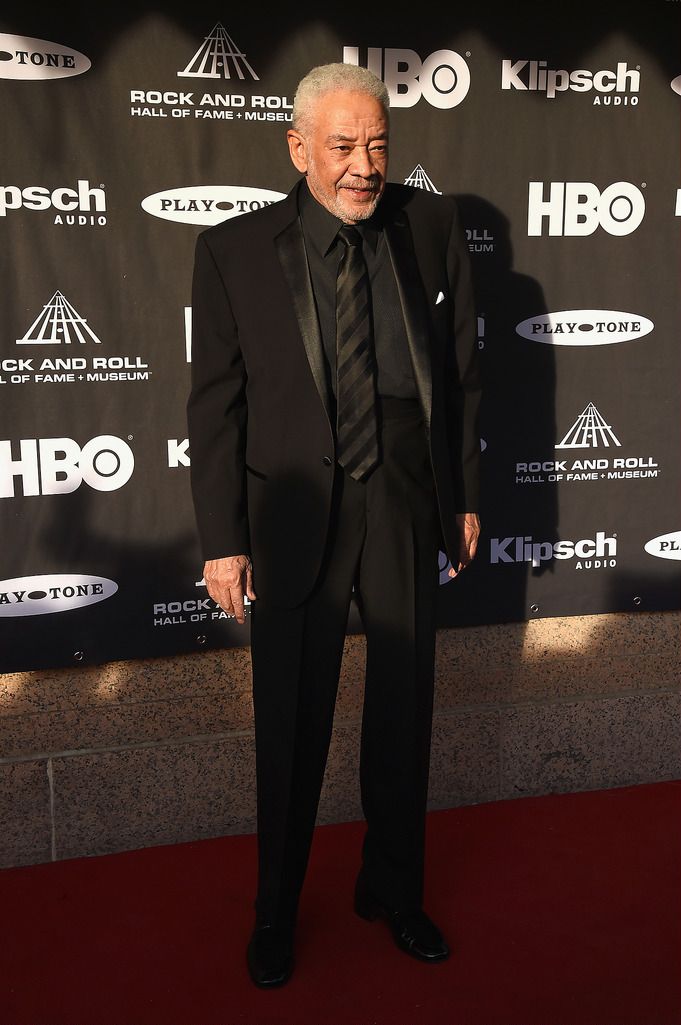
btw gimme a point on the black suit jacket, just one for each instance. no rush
(261, 441)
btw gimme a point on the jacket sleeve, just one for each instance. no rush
(463, 372)
(217, 415)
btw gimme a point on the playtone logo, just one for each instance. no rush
(52, 592)
(600, 552)
(58, 466)
(579, 208)
(25, 58)
(84, 198)
(208, 204)
(443, 78)
(536, 76)
(584, 327)
(666, 546)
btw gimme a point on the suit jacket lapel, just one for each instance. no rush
(290, 246)
(400, 246)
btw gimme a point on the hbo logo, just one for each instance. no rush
(57, 466)
(578, 208)
(443, 78)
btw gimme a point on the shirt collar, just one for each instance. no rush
(321, 226)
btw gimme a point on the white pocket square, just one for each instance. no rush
(440, 298)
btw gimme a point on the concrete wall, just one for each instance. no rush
(129, 754)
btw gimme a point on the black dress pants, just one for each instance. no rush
(383, 541)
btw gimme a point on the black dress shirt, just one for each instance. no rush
(395, 376)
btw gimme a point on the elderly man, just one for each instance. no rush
(334, 447)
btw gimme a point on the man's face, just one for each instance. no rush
(344, 153)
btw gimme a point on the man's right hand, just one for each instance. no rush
(227, 581)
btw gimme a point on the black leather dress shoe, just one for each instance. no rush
(270, 956)
(412, 930)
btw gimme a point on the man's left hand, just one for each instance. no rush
(469, 532)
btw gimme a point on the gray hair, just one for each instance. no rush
(329, 78)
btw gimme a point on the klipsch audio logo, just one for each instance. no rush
(217, 59)
(90, 202)
(599, 552)
(22, 57)
(208, 204)
(579, 208)
(584, 327)
(46, 593)
(60, 324)
(612, 88)
(442, 79)
(58, 466)
(666, 546)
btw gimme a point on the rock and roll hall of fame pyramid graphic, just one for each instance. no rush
(58, 323)
(218, 57)
(589, 431)
(420, 180)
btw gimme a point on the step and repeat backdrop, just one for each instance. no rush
(558, 134)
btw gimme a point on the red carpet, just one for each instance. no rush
(560, 910)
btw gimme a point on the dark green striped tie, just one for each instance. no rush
(355, 363)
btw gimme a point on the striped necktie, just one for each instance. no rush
(355, 361)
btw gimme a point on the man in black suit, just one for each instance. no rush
(334, 446)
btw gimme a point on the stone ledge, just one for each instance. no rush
(161, 751)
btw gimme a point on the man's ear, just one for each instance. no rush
(297, 150)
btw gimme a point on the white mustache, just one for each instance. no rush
(359, 183)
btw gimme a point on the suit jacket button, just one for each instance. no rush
(326, 461)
